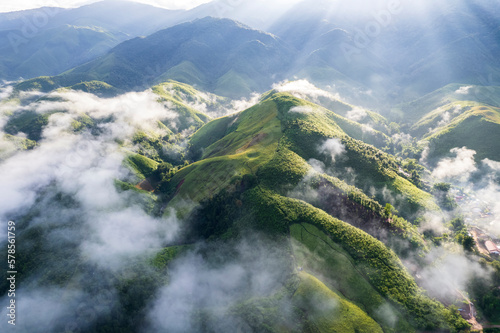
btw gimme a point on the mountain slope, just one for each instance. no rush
(419, 108)
(251, 163)
(411, 49)
(127, 17)
(54, 50)
(462, 124)
(51, 40)
(217, 54)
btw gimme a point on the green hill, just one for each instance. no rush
(470, 124)
(415, 110)
(249, 163)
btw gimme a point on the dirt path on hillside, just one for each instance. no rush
(145, 185)
(472, 314)
(479, 244)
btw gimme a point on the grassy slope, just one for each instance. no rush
(188, 116)
(306, 131)
(239, 144)
(97, 88)
(233, 84)
(141, 165)
(415, 110)
(328, 311)
(185, 72)
(315, 252)
(250, 144)
(380, 266)
(257, 141)
(477, 128)
(29, 122)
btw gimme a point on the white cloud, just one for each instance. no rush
(495, 165)
(459, 167)
(5, 92)
(448, 272)
(86, 166)
(332, 147)
(356, 114)
(257, 268)
(463, 90)
(302, 89)
(302, 109)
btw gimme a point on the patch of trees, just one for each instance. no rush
(441, 193)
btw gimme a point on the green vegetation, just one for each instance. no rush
(143, 166)
(476, 129)
(98, 88)
(328, 311)
(419, 108)
(29, 122)
(53, 51)
(163, 258)
(381, 266)
(20, 143)
(185, 72)
(305, 132)
(177, 96)
(315, 252)
(233, 84)
(237, 176)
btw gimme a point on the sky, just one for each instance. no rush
(8, 6)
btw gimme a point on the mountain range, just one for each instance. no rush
(401, 60)
(319, 167)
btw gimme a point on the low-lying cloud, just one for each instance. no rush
(332, 147)
(463, 90)
(302, 109)
(460, 166)
(304, 89)
(63, 193)
(356, 114)
(200, 283)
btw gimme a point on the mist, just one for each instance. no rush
(64, 199)
(107, 238)
(84, 239)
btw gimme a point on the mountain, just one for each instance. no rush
(146, 195)
(472, 125)
(285, 169)
(218, 55)
(53, 51)
(50, 40)
(454, 116)
(130, 18)
(415, 110)
(408, 57)
(259, 158)
(410, 51)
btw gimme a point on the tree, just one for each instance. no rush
(442, 187)
(468, 243)
(388, 210)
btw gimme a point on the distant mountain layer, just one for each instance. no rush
(218, 55)
(399, 50)
(51, 40)
(413, 49)
(53, 51)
